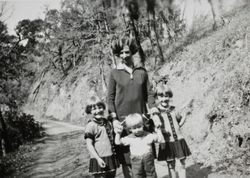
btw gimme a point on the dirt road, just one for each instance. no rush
(62, 153)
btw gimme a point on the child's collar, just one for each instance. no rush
(168, 109)
(132, 135)
(100, 121)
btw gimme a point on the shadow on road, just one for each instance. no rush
(198, 171)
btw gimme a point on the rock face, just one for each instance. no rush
(210, 76)
(63, 99)
(214, 78)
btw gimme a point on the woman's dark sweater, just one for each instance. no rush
(128, 94)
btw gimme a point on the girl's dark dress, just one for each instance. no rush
(175, 145)
(102, 135)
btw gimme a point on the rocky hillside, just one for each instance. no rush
(211, 76)
(208, 72)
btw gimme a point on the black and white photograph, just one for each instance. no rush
(124, 88)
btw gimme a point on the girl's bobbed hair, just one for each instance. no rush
(118, 44)
(161, 87)
(93, 101)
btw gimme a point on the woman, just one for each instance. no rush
(128, 93)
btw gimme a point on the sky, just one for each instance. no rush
(26, 9)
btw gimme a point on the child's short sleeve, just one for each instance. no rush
(126, 141)
(151, 138)
(155, 137)
(90, 131)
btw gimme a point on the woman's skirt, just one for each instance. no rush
(111, 165)
(171, 150)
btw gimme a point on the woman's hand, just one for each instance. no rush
(101, 163)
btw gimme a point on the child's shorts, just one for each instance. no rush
(143, 166)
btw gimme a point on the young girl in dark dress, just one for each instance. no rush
(175, 146)
(100, 141)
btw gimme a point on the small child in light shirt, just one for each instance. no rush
(140, 142)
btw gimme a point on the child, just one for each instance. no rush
(170, 123)
(100, 141)
(140, 142)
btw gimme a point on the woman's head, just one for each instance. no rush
(124, 44)
(125, 52)
(126, 56)
(135, 123)
(95, 107)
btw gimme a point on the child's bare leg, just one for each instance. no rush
(182, 171)
(171, 169)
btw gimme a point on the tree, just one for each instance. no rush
(14, 76)
(78, 29)
(5, 11)
(217, 17)
(151, 4)
(30, 31)
(132, 11)
(7, 75)
(10, 63)
(69, 33)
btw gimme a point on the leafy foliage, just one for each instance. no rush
(27, 127)
(15, 78)
(81, 28)
(20, 129)
(15, 60)
(31, 31)
(16, 161)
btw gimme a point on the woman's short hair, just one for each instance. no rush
(133, 119)
(118, 44)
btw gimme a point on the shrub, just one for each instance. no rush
(21, 128)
